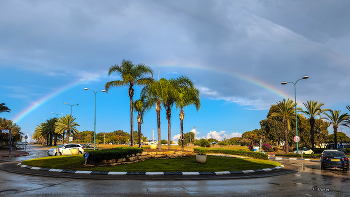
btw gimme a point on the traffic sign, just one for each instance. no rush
(296, 138)
(5, 131)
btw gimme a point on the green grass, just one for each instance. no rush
(181, 164)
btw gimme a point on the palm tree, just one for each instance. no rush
(187, 95)
(38, 134)
(336, 120)
(140, 106)
(285, 110)
(130, 75)
(4, 108)
(66, 123)
(156, 93)
(313, 109)
(168, 104)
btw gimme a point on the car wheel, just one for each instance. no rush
(60, 153)
(80, 152)
(322, 167)
(55, 154)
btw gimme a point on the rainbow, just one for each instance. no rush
(43, 100)
(243, 77)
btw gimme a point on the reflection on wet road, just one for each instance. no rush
(308, 181)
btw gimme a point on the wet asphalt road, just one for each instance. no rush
(309, 180)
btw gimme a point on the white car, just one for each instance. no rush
(65, 149)
(305, 151)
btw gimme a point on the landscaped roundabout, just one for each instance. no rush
(137, 160)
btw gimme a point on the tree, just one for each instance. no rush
(140, 106)
(313, 109)
(336, 120)
(285, 110)
(66, 123)
(155, 93)
(341, 137)
(4, 108)
(130, 75)
(49, 129)
(188, 137)
(16, 133)
(187, 95)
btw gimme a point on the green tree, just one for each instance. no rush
(140, 106)
(285, 110)
(16, 133)
(341, 137)
(49, 129)
(313, 109)
(336, 120)
(187, 95)
(66, 123)
(156, 94)
(4, 108)
(188, 137)
(131, 74)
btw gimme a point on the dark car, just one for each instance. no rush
(334, 159)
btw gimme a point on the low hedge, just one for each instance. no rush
(98, 156)
(314, 156)
(256, 155)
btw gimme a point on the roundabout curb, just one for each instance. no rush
(151, 173)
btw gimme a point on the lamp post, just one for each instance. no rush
(70, 122)
(95, 115)
(296, 117)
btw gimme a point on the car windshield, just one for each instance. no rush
(334, 154)
(60, 146)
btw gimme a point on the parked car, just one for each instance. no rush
(334, 159)
(21, 145)
(304, 150)
(65, 149)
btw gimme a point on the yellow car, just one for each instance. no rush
(306, 151)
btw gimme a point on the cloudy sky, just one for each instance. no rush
(236, 52)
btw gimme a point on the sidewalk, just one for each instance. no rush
(4, 152)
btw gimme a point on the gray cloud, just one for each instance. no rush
(271, 41)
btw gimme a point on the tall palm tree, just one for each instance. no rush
(156, 93)
(131, 74)
(66, 123)
(285, 110)
(38, 134)
(140, 106)
(313, 109)
(336, 120)
(187, 95)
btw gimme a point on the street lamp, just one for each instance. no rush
(70, 122)
(296, 117)
(95, 114)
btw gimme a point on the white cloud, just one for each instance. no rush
(221, 135)
(206, 91)
(176, 137)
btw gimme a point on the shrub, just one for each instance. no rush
(267, 147)
(256, 155)
(251, 147)
(204, 143)
(114, 153)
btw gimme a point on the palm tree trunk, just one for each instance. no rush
(312, 132)
(51, 138)
(182, 116)
(158, 124)
(335, 127)
(131, 94)
(286, 136)
(139, 129)
(168, 112)
(63, 138)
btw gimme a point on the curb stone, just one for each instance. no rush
(151, 173)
